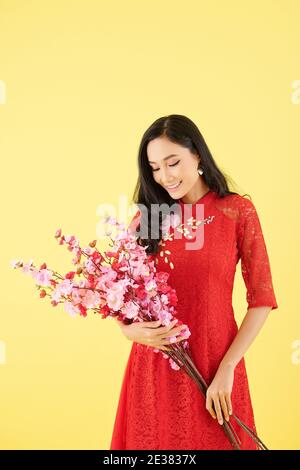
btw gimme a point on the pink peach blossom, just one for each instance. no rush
(91, 299)
(43, 277)
(130, 310)
(71, 309)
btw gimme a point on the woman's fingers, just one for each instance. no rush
(218, 408)
(164, 329)
(155, 342)
(224, 405)
(161, 336)
(228, 401)
(209, 407)
(150, 324)
(157, 324)
(214, 407)
(167, 339)
(169, 342)
(171, 332)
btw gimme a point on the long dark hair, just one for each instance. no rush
(183, 131)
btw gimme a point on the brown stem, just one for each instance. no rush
(191, 371)
(248, 430)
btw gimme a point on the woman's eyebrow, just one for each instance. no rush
(169, 156)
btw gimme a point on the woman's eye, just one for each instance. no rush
(169, 165)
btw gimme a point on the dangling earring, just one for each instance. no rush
(200, 171)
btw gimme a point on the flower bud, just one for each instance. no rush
(70, 275)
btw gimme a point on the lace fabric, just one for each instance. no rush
(255, 263)
(160, 408)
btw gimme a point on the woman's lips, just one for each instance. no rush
(174, 189)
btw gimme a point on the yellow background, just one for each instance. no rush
(84, 79)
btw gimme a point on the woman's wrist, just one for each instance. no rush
(228, 364)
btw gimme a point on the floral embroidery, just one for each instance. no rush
(194, 223)
(172, 222)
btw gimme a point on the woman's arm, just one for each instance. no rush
(219, 391)
(249, 329)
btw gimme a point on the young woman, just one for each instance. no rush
(162, 408)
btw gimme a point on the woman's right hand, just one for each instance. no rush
(151, 333)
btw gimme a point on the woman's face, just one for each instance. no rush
(172, 164)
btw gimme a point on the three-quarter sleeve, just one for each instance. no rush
(255, 265)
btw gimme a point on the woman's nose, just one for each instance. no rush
(164, 177)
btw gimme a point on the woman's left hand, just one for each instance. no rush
(219, 393)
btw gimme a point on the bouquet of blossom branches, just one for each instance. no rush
(122, 282)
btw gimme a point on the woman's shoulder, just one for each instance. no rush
(235, 205)
(243, 200)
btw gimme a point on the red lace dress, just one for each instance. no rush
(162, 408)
